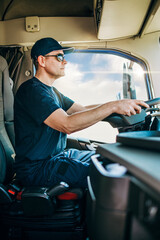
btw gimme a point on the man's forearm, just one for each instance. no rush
(92, 106)
(84, 119)
(88, 117)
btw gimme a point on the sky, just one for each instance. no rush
(97, 78)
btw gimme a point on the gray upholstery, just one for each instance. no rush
(6, 121)
(8, 99)
(7, 91)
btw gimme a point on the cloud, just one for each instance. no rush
(98, 89)
(108, 63)
(98, 82)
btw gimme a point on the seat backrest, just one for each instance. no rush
(6, 121)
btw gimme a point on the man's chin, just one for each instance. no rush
(62, 75)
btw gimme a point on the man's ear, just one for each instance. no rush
(41, 61)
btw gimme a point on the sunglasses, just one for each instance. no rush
(59, 56)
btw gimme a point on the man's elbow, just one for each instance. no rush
(68, 129)
(69, 126)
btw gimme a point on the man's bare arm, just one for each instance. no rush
(76, 107)
(63, 122)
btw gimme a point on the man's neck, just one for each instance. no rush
(45, 79)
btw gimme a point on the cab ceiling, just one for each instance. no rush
(13, 9)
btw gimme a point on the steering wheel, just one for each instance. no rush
(153, 101)
(118, 120)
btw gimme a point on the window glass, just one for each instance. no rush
(99, 77)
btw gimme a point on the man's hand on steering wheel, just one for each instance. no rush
(129, 107)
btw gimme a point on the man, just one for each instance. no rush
(44, 117)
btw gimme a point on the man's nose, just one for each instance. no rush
(64, 61)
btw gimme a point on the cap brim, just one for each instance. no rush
(67, 50)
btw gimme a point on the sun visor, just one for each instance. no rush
(120, 18)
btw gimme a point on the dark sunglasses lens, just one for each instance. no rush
(60, 57)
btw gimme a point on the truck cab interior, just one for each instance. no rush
(117, 53)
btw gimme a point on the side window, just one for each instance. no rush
(98, 77)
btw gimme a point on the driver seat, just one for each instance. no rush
(32, 212)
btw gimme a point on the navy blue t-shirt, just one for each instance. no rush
(35, 141)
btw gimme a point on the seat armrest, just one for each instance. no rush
(58, 189)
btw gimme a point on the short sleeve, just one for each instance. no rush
(66, 102)
(38, 101)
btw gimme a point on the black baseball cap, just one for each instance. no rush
(47, 45)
